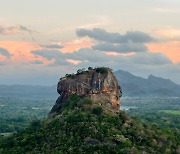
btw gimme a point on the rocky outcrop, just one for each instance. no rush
(98, 84)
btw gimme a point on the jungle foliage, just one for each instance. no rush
(82, 128)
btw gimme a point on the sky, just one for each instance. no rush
(42, 40)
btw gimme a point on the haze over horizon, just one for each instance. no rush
(40, 41)
(54, 82)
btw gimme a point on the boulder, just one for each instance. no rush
(99, 84)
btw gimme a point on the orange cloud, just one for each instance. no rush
(170, 49)
(20, 50)
(75, 62)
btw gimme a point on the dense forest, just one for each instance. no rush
(18, 112)
(82, 128)
(162, 111)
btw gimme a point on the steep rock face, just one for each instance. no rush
(101, 87)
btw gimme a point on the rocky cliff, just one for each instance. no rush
(99, 84)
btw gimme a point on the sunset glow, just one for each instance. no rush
(170, 49)
(64, 35)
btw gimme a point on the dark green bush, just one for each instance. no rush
(97, 110)
(87, 101)
(70, 75)
(80, 71)
(101, 70)
(90, 68)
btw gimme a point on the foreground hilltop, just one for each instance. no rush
(98, 84)
(81, 128)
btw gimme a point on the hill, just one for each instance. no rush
(134, 86)
(83, 123)
(80, 128)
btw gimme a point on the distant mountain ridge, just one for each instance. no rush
(134, 86)
(28, 91)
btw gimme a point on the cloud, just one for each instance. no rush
(53, 46)
(122, 48)
(11, 30)
(102, 35)
(56, 55)
(48, 54)
(5, 52)
(89, 56)
(77, 44)
(96, 55)
(167, 34)
(151, 59)
(82, 55)
(37, 62)
(131, 41)
(75, 62)
(169, 48)
(25, 29)
(138, 58)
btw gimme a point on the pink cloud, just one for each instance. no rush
(170, 49)
(20, 50)
(75, 62)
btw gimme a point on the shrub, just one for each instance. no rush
(101, 70)
(35, 124)
(90, 68)
(69, 75)
(80, 71)
(97, 110)
(87, 101)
